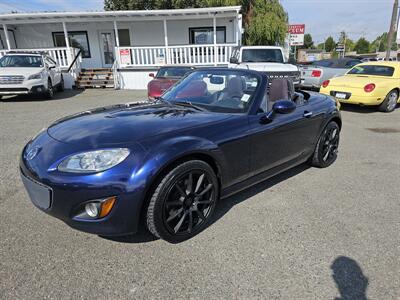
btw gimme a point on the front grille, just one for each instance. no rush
(11, 79)
(14, 90)
(295, 75)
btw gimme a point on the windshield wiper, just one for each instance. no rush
(189, 104)
(161, 99)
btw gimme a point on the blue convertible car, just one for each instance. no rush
(167, 163)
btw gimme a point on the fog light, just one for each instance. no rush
(39, 89)
(92, 209)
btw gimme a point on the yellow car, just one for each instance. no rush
(372, 83)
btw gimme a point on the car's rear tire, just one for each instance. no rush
(61, 84)
(325, 152)
(390, 102)
(183, 202)
(50, 90)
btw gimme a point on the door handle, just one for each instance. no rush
(307, 114)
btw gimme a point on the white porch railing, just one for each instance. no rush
(175, 55)
(60, 54)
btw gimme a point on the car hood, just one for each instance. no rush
(128, 123)
(356, 81)
(20, 71)
(266, 67)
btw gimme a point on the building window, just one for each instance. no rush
(124, 38)
(205, 35)
(77, 39)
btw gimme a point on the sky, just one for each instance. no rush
(368, 18)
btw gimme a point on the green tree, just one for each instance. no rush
(330, 44)
(349, 45)
(265, 21)
(380, 43)
(308, 41)
(362, 46)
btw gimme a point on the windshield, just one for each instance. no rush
(229, 91)
(21, 61)
(172, 72)
(374, 70)
(262, 55)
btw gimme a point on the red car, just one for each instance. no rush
(164, 79)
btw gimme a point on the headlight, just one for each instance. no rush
(35, 76)
(93, 161)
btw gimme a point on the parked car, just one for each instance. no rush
(164, 79)
(372, 83)
(267, 59)
(214, 133)
(23, 73)
(317, 72)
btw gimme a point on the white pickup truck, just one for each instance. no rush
(266, 59)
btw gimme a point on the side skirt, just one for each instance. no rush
(229, 191)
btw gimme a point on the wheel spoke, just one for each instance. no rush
(327, 153)
(208, 187)
(201, 215)
(333, 135)
(204, 202)
(189, 184)
(174, 215)
(180, 190)
(174, 203)
(178, 226)
(199, 183)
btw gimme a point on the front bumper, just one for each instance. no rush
(69, 192)
(33, 86)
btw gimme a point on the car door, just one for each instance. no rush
(287, 138)
(54, 71)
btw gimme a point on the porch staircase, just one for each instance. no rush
(95, 78)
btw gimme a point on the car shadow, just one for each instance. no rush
(349, 279)
(34, 98)
(359, 109)
(222, 208)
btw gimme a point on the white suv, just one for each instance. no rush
(29, 73)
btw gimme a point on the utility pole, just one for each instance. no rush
(393, 28)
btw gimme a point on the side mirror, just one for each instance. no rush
(284, 107)
(279, 107)
(233, 60)
(151, 75)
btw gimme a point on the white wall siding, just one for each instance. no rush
(144, 33)
(134, 80)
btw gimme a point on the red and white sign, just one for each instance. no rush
(125, 56)
(297, 34)
(297, 29)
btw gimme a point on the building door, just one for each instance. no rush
(107, 46)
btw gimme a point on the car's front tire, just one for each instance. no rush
(183, 202)
(325, 152)
(50, 90)
(390, 102)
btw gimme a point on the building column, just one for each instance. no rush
(167, 58)
(215, 39)
(69, 56)
(7, 37)
(116, 34)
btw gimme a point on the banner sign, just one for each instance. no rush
(296, 32)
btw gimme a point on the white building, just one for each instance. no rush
(132, 43)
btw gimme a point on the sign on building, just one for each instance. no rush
(125, 56)
(296, 32)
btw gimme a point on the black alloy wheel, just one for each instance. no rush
(183, 202)
(327, 148)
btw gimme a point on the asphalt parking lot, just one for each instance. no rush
(305, 234)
